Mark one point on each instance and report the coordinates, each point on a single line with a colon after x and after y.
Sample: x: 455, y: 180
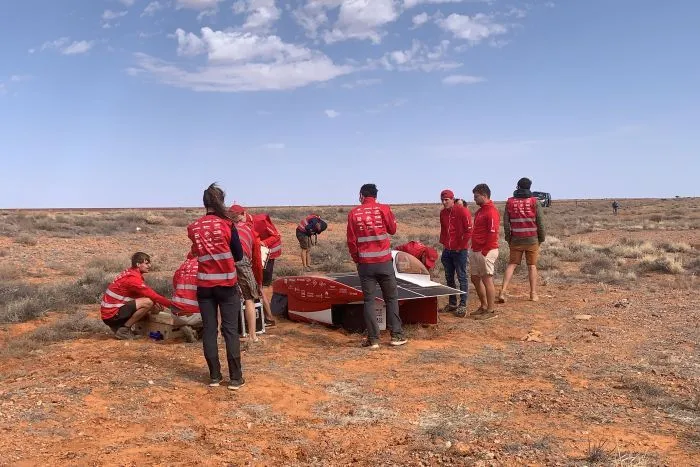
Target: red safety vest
x: 427, y: 255
x: 269, y: 236
x: 127, y: 286
x: 211, y: 239
x: 523, y: 217
x: 245, y: 233
x: 185, y: 287
x: 304, y: 223
x: 370, y: 226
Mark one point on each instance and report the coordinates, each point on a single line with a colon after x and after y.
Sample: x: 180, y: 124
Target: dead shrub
x: 331, y: 256
x: 693, y: 266
x: 26, y: 239
x: 10, y: 272
x: 286, y: 269
x: 547, y: 262
x: 154, y: 219
x: 675, y: 247
x: 631, y: 249
x: 665, y: 264
x: 106, y: 264
x: 597, y: 265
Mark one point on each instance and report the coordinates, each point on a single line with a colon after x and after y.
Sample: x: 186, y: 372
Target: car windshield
x: 409, y: 264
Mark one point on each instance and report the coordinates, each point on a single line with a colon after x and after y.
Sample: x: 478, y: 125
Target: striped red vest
x: 523, y: 217
x: 119, y: 292
x: 305, y: 222
x: 211, y: 239
x: 246, y: 236
x: 269, y: 236
x: 373, y: 241
x: 185, y: 287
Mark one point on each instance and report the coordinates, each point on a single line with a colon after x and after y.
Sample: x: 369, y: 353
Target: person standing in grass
x: 455, y: 232
x: 369, y: 230
x: 128, y: 299
x: 217, y: 247
x: 484, y: 251
x: 307, y: 233
x: 523, y: 227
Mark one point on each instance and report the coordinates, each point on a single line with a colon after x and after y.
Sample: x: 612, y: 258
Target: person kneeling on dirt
x: 185, y: 307
x: 128, y: 299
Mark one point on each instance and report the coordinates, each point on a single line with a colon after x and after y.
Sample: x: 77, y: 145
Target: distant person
x: 128, y: 299
x: 615, y: 206
x: 249, y: 269
x: 460, y: 202
x: 185, y: 307
x: 307, y: 233
x: 523, y: 226
x: 369, y: 230
x: 217, y: 247
x: 455, y: 233
x: 484, y: 252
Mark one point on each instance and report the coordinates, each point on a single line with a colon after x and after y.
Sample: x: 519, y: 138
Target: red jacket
x: 304, y: 223
x: 185, y: 288
x: 269, y: 236
x: 211, y: 239
x: 455, y: 227
x: 427, y: 255
x: 369, y: 228
x: 485, y: 231
x: 251, y: 248
x: 127, y: 286
x: 522, y: 213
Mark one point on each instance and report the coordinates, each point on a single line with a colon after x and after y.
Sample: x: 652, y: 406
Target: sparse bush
x: 286, y: 269
x: 26, y: 239
x: 666, y: 264
x: 547, y: 262
x: 331, y: 256
x: 674, y: 247
x: 107, y: 264
x: 154, y: 219
x: 597, y: 265
x: 693, y: 266
x: 631, y: 249
x: 10, y: 272
x: 162, y: 285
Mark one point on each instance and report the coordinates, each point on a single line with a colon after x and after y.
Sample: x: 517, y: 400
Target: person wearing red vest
x: 128, y: 299
x: 185, y: 307
x: 484, y: 251
x: 271, y: 238
x: 524, y: 231
x: 427, y: 255
x: 455, y: 232
x: 308, y: 227
x: 249, y: 269
x: 217, y: 247
x: 369, y: 230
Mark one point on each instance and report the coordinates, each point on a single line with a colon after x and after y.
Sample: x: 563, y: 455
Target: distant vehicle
x: 545, y: 198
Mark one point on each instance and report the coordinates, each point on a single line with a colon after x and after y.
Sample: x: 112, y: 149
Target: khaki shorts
x: 532, y: 252
x: 246, y: 280
x: 304, y: 240
x: 483, y: 265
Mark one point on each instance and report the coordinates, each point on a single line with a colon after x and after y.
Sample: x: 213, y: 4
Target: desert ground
x: 604, y: 369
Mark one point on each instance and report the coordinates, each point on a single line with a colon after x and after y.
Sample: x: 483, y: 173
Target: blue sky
x: 130, y: 103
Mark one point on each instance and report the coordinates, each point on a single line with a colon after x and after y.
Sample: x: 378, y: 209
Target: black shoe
x: 215, y: 382
x: 236, y: 384
x: 398, y: 340
x: 269, y: 323
x: 370, y: 343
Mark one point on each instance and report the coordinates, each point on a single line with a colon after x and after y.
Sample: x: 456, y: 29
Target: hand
x: 158, y: 307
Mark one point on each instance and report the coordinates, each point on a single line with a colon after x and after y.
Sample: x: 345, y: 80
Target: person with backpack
x: 615, y: 206
x: 307, y: 233
x: 369, y: 230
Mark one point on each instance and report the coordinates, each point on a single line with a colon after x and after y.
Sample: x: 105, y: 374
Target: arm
x: 257, y: 260
x: 492, y: 235
x: 352, y: 239
x: 235, y: 244
x: 540, y: 224
x: 466, y: 220
x: 142, y: 290
x: 506, y: 223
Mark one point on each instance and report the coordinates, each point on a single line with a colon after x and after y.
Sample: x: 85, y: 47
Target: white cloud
x: 330, y: 113
x: 18, y: 78
x: 109, y: 15
x: 472, y: 28
x: 462, y: 79
x: 240, y: 61
x: 274, y: 146
x: 66, y: 47
x: 419, y: 57
x: 412, y: 3
x: 357, y: 19
x: 197, y: 4
x: 152, y: 8
x: 262, y: 14
x: 127, y: 3
x: 362, y: 83
x: 386, y: 106
x: 420, y: 19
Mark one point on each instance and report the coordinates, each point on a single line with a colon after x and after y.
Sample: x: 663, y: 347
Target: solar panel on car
x: 407, y: 290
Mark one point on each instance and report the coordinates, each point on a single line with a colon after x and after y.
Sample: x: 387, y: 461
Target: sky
x: 140, y: 103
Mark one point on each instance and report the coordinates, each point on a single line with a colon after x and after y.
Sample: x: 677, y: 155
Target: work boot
x: 124, y: 333
x: 372, y: 344
x: 398, y: 340
x: 448, y: 308
x: 461, y: 311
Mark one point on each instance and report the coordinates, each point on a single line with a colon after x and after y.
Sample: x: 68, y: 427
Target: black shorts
x: 125, y: 312
x: 267, y: 272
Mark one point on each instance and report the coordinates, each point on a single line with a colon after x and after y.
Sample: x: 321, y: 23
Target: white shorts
x: 483, y: 265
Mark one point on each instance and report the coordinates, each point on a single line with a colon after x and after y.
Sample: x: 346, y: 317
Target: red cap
x: 236, y: 209
x: 447, y: 194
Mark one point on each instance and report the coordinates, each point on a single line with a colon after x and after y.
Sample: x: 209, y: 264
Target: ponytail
x: 214, y: 201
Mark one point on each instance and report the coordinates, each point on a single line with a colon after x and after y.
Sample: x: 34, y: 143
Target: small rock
x: 448, y: 444
x: 583, y: 317
x: 150, y: 381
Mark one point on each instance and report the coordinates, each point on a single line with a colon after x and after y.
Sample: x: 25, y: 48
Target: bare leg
x: 490, y: 291
x: 266, y: 306
x: 144, y: 306
x: 308, y: 257
x: 480, y: 291
x: 506, y: 280
x: 532, y: 275
x: 250, y: 320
